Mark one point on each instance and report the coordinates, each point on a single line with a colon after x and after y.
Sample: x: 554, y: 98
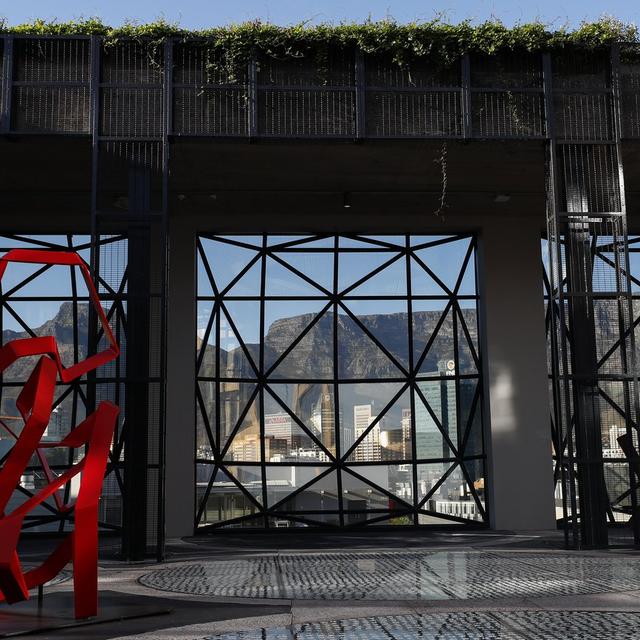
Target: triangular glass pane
x: 250, y: 477
x: 441, y: 397
x: 468, y: 283
x: 316, y: 265
x: 391, y: 281
x: 397, y: 479
x: 312, y: 357
x: 428, y: 476
x: 249, y: 283
x: 234, y: 397
x: 475, y: 471
x: 226, y: 260
x: 205, y: 287
x: 441, y: 352
x: 281, y: 281
x: 204, y: 311
x: 284, y: 322
x: 467, y: 388
x: 321, y: 495
x: 283, y: 480
x: 387, y: 320
x: 428, y: 519
x: 254, y: 241
x: 354, y: 266
x: 318, y: 243
x: 475, y: 445
x: 359, y: 356
x: 390, y: 438
x: 425, y: 316
x: 245, y: 316
x: 359, y: 495
x: 359, y: 242
x: 273, y: 240
x: 285, y: 439
x: 313, y: 404
x: 204, y: 446
x: 453, y: 498
x: 226, y: 500
x: 466, y: 360
x: 398, y: 241
x: 445, y: 260
x: 246, y: 443
x: 418, y: 240
x: 422, y: 284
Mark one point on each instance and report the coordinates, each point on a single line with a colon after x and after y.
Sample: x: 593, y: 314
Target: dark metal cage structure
x: 134, y: 100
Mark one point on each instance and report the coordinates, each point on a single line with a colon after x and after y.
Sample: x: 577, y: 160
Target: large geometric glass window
x: 41, y: 300
x: 613, y: 384
x: 338, y: 381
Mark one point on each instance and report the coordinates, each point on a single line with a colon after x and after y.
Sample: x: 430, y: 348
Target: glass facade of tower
x: 338, y: 381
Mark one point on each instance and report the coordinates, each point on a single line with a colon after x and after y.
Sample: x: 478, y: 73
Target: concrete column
x: 519, y: 444
x: 180, y: 440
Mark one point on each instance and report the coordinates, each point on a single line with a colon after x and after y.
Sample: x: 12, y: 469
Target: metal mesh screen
x: 301, y: 98
x: 630, y: 92
x: 507, y: 97
x: 589, y: 304
x: 51, y: 85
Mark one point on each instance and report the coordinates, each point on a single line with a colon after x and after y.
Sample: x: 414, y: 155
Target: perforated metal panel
x: 506, y: 96
x: 51, y: 85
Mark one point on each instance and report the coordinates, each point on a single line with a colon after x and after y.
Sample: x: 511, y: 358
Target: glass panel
x: 321, y: 495
x: 387, y: 320
x: 354, y: 266
x: 282, y: 281
x: 284, y: 323
x: 234, y: 398
x: 440, y: 397
x: 359, y: 356
x: 226, y: 500
x: 313, y: 405
x: 317, y: 266
x: 453, y: 497
x: 288, y: 418
x: 445, y: 260
x: 226, y: 261
x: 204, y: 445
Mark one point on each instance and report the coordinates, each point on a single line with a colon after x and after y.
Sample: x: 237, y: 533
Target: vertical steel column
x: 559, y: 351
x: 625, y: 303
x: 586, y: 223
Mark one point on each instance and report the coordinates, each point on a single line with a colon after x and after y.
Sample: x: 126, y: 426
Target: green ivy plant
x: 402, y: 43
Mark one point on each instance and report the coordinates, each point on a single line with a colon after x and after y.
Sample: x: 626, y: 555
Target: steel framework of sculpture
x: 34, y: 404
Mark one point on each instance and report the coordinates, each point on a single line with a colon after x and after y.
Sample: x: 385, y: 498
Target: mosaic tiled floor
x: 514, y: 625
x: 401, y: 576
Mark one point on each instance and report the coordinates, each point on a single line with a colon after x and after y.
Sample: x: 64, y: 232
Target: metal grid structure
x: 51, y: 300
x: 129, y: 191
x: 590, y: 307
x: 338, y: 381
x: 130, y: 97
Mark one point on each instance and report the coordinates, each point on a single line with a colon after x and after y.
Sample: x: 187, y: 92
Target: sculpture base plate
x: 56, y: 612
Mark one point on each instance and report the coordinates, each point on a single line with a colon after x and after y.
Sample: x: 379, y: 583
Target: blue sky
x: 199, y: 13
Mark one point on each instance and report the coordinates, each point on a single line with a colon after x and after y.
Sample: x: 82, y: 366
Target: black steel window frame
x: 107, y: 383
x: 409, y: 379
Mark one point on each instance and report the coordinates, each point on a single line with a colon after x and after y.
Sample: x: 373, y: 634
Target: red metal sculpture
x: 34, y: 404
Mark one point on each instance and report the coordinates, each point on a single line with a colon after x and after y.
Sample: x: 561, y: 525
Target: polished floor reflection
x: 420, y: 575
x: 514, y: 625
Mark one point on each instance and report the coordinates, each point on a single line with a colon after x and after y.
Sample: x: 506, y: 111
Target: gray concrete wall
x: 520, y: 469
x: 180, y: 413
x: 520, y: 474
